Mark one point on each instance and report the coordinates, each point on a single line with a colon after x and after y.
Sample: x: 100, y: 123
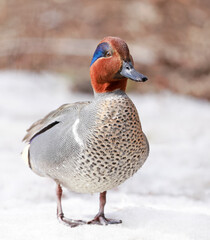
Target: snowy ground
x: 169, y: 198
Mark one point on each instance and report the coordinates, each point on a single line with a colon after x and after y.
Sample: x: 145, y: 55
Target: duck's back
x: 94, y: 147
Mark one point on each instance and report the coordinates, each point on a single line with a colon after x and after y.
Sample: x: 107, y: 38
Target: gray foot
x: 101, y: 220
x: 70, y: 222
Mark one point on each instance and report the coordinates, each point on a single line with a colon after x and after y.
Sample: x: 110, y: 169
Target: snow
x: 169, y: 198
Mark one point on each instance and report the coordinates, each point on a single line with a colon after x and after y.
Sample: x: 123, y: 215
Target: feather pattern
x: 50, y: 118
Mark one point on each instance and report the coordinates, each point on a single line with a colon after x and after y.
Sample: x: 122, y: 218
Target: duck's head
x: 112, y: 65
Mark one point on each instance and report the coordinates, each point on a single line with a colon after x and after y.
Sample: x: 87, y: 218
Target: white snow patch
x: 168, y: 199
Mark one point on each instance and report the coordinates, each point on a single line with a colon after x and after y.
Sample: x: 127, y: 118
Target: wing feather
x: 53, y: 116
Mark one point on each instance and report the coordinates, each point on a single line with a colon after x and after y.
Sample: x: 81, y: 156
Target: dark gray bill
x: 128, y: 71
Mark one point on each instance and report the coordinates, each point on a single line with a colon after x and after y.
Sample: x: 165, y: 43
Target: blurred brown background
x: 169, y: 40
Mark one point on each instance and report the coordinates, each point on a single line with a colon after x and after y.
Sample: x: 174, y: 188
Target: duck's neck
x: 108, y: 86
x: 117, y: 92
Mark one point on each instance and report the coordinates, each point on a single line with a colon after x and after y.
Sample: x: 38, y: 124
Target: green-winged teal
x: 91, y: 147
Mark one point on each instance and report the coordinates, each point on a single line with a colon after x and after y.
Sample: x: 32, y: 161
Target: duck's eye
x: 108, y: 54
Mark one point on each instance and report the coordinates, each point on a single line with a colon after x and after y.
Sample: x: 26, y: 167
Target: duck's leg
x: 100, y: 217
x: 60, y: 215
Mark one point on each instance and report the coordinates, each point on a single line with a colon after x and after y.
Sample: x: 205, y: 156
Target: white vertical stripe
x: 75, y: 132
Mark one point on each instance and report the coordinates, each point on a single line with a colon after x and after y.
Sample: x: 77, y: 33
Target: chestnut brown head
x: 112, y: 65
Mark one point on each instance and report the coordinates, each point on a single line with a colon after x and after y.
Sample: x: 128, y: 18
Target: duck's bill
x: 128, y: 71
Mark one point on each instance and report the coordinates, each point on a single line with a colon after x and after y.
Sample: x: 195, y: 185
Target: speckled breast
x: 114, y: 150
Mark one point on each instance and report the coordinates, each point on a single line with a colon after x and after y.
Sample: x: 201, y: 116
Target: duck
x: 92, y: 146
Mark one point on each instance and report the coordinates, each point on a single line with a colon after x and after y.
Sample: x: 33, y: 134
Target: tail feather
x: 26, y: 155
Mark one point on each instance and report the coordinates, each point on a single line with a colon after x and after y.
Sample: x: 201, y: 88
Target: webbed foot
x: 69, y: 222
x: 100, y: 219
